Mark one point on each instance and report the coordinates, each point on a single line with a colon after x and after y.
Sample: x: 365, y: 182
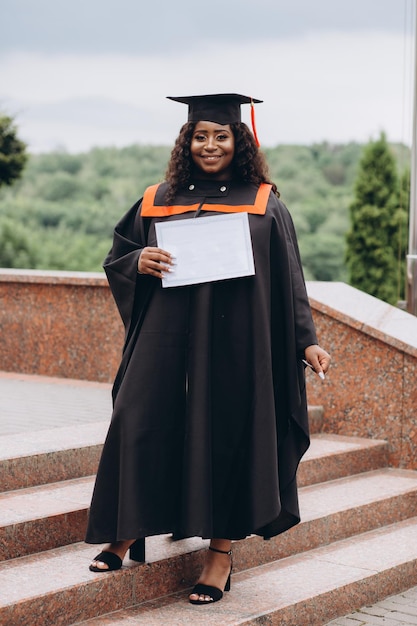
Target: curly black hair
x: 249, y: 164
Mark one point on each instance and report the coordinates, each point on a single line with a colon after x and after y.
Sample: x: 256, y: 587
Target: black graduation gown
x: 210, y: 414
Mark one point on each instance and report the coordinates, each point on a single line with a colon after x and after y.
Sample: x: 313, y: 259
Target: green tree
x: 372, y: 241
x: 16, y: 249
x: 320, y: 253
x: 12, y: 152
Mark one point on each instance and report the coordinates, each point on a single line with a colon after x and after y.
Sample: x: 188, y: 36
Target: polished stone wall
x: 371, y: 389
x: 59, y: 324
x: 66, y: 324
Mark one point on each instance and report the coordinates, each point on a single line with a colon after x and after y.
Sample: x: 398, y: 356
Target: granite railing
x: 66, y: 324
x: 371, y: 389
x: 59, y: 324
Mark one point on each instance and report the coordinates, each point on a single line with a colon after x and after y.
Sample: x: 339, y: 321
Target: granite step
x: 51, y: 455
x: 48, y: 516
x: 306, y: 590
x: 334, y: 456
x: 43, y: 517
x: 54, y: 580
x: 56, y: 588
x: 44, y: 456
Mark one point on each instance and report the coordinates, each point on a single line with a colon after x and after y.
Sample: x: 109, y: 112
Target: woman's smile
x: 210, y: 159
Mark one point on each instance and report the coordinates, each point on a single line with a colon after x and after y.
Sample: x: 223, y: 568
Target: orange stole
x: 149, y: 209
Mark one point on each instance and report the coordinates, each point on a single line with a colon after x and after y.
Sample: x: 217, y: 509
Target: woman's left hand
x: 318, y: 358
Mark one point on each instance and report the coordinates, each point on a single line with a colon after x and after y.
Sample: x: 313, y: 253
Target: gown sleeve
x: 305, y: 332
x: 128, y: 287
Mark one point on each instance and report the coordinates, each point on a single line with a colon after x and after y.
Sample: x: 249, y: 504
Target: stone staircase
x: 356, y: 543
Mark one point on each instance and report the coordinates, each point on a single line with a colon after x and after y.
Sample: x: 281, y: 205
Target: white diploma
x: 206, y: 248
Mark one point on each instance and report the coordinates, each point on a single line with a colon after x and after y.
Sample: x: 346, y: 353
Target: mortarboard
x: 223, y: 108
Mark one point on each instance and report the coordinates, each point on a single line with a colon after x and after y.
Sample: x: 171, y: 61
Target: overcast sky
x: 96, y: 72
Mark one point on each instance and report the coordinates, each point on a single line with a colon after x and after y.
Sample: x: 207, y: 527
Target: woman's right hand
x: 155, y: 262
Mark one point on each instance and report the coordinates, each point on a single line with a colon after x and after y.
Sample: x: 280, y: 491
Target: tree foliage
x: 373, y: 238
x: 16, y: 249
x: 13, y: 155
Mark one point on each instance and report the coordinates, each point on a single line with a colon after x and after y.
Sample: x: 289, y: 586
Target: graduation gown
x: 209, y: 405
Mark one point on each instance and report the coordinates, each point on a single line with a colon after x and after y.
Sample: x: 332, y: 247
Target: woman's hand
x: 155, y: 262
x: 318, y: 359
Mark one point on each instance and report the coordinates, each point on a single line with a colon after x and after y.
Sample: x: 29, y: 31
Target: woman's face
x: 212, y: 150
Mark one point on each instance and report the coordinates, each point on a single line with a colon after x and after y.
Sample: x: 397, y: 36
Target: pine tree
x: 12, y: 152
x: 372, y: 242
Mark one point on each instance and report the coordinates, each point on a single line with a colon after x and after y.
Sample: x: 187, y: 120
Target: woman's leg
x: 216, y: 568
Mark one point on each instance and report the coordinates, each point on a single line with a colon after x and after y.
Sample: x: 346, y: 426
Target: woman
x: 210, y: 413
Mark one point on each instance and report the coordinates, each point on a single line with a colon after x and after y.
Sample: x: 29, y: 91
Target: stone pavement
x: 398, y: 610
x: 36, y: 403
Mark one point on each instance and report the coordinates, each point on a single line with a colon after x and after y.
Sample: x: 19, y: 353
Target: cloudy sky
x: 96, y: 72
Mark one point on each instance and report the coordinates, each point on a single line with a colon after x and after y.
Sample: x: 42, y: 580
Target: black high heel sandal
x: 114, y: 562
x: 215, y: 593
x: 137, y: 551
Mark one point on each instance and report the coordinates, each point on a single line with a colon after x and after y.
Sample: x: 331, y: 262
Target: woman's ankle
x: 120, y: 547
x: 222, y: 545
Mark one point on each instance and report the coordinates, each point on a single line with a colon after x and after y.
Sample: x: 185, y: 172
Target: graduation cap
x: 223, y: 108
